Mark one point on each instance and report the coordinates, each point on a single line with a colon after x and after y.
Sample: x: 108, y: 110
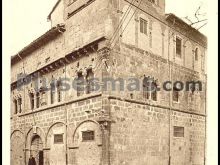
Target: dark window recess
x: 146, y: 88
x: 16, y: 106
x: 146, y: 93
x: 32, y: 100
x: 20, y: 105
x: 41, y: 157
x: 196, y: 54
x: 52, y: 93
x: 80, y: 84
x: 143, y: 26
x: 59, y: 91
x: 88, y: 135
x: 178, y: 47
x: 37, y: 99
x: 58, y: 138
x: 154, y: 92
x: 149, y: 89
x: 175, y: 95
x: 178, y: 131
x: 89, y: 79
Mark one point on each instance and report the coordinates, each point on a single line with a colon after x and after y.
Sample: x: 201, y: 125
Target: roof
x: 201, y: 37
x: 46, y: 37
x: 55, y: 6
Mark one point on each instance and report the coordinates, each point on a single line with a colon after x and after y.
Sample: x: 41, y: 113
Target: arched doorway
x: 17, y: 149
x: 36, y: 149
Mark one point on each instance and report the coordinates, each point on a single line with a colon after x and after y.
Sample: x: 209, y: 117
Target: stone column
x: 105, y: 127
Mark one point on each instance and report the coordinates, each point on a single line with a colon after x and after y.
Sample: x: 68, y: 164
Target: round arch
x: 50, y: 128
x: 17, y: 147
x: 87, y: 139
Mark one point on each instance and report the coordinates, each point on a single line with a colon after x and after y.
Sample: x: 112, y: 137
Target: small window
x: 150, y: 89
x: 196, y: 54
x: 32, y: 100
x: 52, y: 93
x: 175, y: 95
x: 20, y: 105
x: 88, y: 135
x: 89, y: 79
x: 16, y: 106
x: 146, y: 88
x: 38, y: 99
x: 58, y: 138
x: 143, y: 26
x: 178, y: 47
x: 178, y: 131
x: 59, y: 91
x: 80, y: 84
x: 154, y: 92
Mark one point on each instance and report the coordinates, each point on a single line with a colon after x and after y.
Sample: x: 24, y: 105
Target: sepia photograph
x: 110, y: 82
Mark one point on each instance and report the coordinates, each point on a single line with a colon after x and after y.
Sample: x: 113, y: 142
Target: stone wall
x: 68, y: 120
x: 143, y: 134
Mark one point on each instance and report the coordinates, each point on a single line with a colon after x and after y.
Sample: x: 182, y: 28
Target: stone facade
x: 110, y: 126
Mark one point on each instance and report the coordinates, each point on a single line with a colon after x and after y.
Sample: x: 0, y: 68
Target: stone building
x: 116, y: 39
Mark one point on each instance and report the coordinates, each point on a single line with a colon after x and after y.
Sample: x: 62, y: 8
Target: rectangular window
x: 178, y: 131
x: 88, y: 135
x: 58, y: 138
x: 178, y: 47
x: 143, y: 26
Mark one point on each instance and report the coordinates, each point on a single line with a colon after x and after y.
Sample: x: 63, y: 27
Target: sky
x: 26, y: 20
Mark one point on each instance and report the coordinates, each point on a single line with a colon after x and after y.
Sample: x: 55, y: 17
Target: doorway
x: 37, y: 150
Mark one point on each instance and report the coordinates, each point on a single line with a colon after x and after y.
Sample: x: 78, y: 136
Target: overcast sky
x: 25, y: 20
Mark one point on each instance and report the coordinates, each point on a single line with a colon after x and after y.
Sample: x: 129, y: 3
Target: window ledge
x: 46, y: 107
